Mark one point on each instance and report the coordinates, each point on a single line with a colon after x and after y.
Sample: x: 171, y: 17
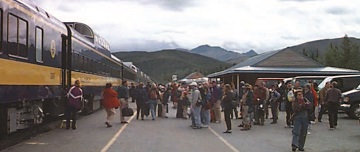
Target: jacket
x: 75, y: 96
x: 227, y: 99
x: 110, y: 99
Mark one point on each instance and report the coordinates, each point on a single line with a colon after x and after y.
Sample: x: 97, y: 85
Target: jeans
x: 71, y: 113
x: 274, y: 110
x: 227, y: 113
x: 152, y: 104
x: 195, y: 116
x: 206, y: 116
x: 333, y: 114
x: 323, y: 109
x: 301, y: 122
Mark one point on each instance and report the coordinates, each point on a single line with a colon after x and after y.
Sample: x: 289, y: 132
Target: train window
x: 84, y: 30
x: 81, y: 63
x: 39, y: 44
x: 17, y: 36
x: 77, y: 62
x: 86, y: 64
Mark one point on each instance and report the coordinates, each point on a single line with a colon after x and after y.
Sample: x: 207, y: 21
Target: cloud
x: 173, y: 5
x: 143, y: 45
x: 338, y: 11
x: 235, y: 25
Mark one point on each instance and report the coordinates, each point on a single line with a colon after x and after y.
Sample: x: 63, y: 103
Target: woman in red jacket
x: 110, y: 102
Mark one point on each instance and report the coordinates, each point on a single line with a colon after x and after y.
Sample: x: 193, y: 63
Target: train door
x: 65, y: 62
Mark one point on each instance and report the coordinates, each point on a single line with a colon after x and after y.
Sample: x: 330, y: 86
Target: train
x: 41, y: 57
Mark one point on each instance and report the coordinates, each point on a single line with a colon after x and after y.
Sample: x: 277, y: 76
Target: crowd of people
x: 203, y: 103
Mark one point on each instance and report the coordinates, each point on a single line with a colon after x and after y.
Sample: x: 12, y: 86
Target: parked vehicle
x: 351, y: 103
x: 345, y: 82
x: 306, y: 79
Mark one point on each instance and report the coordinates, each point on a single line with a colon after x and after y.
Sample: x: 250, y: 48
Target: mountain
x: 161, y: 65
x: 250, y: 53
x: 219, y: 53
x: 321, y: 46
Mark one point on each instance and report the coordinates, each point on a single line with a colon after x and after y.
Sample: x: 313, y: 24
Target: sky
x: 235, y: 25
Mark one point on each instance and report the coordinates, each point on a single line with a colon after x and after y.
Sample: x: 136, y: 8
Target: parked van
x: 351, y: 103
x: 306, y: 79
x: 345, y: 82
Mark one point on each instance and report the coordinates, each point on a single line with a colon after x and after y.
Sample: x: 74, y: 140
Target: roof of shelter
x: 288, y: 58
x: 283, y: 61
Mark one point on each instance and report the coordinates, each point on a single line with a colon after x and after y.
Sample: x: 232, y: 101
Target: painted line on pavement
x: 223, y: 140
x: 110, y: 142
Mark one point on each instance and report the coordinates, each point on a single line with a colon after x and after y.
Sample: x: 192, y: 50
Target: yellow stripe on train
x: 21, y: 73
x: 93, y: 80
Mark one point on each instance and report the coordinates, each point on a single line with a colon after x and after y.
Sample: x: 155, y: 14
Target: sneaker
x: 227, y: 131
x: 331, y: 129
x: 241, y: 125
x: 204, y: 126
x: 309, y: 133
x: 273, y: 122
x: 108, y: 124
x: 196, y: 127
x: 123, y: 122
x: 291, y: 126
x: 287, y: 126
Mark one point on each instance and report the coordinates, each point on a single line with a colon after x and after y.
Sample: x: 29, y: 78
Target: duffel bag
x: 127, y: 112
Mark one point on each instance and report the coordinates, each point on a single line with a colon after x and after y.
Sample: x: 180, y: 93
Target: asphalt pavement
x: 174, y: 135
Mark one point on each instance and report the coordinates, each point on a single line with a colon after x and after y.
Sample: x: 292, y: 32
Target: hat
x: 248, y: 86
x: 193, y: 84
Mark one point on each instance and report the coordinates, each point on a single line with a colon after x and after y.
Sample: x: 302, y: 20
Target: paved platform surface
x: 175, y: 135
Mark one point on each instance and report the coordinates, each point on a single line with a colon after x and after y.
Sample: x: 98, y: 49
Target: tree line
x: 346, y: 55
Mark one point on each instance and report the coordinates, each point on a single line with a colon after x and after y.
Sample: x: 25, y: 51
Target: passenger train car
x: 41, y: 57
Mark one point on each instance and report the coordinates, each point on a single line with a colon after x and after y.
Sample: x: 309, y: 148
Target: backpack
x: 153, y: 94
x: 290, y: 96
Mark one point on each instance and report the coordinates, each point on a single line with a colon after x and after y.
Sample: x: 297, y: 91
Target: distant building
x: 194, y: 77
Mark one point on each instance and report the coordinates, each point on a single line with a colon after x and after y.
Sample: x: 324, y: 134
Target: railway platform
x: 172, y: 134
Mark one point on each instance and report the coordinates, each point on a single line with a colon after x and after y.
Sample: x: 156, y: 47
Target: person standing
x: 300, y: 108
x: 274, y: 103
x: 235, y: 101
x: 216, y: 101
x: 205, y: 111
x: 332, y: 100
x: 310, y: 97
x: 195, y: 106
x: 166, y: 100
x: 132, y: 92
x: 288, y: 97
x: 75, y: 97
x: 323, y: 106
x: 110, y: 102
x: 261, y: 94
x: 153, y: 97
x: 123, y: 95
x: 228, y: 106
x: 247, y: 107
x: 141, y: 98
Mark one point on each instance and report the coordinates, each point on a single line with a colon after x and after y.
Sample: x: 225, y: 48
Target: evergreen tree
x: 347, y: 56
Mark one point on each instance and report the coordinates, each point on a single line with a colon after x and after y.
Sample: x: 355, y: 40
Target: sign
x: 174, y: 77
